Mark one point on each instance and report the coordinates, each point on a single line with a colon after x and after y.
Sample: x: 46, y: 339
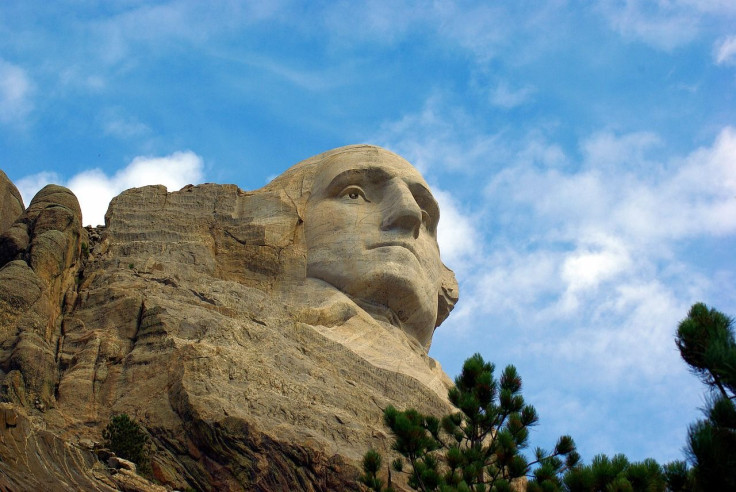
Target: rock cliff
x: 191, y: 311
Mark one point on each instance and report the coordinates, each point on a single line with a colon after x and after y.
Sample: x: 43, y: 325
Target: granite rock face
x: 11, y: 203
x: 201, y: 314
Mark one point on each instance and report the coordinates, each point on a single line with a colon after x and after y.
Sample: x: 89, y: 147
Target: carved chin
x: 411, y: 300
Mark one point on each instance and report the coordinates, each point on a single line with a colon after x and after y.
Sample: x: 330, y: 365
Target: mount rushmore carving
x: 256, y: 335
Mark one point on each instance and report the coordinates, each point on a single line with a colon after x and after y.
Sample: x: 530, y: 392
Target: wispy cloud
x: 664, y: 25
x: 94, y: 51
x: 606, y: 237
x: 725, y: 51
x: 506, y: 97
x: 440, y: 136
x: 623, y: 189
x: 294, y: 72
x: 117, y: 123
x: 158, y: 26
x: 381, y: 21
x: 74, y: 76
x: 95, y: 189
x: 15, y: 94
x: 482, y: 29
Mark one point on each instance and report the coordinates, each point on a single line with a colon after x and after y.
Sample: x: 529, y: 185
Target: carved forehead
x: 373, y: 162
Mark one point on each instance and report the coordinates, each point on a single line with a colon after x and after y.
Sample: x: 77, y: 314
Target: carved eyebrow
x: 376, y: 175
x: 356, y: 176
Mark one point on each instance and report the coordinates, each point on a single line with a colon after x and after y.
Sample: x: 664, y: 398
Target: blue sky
x: 583, y: 154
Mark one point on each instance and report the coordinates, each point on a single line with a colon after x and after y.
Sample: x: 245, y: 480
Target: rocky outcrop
x: 11, y: 203
x: 40, y: 258
x: 191, y: 312
x: 34, y: 458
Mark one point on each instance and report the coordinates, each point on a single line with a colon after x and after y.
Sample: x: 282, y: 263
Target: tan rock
x: 39, y: 260
x: 11, y: 203
x: 34, y: 458
x: 237, y: 327
x: 120, y: 463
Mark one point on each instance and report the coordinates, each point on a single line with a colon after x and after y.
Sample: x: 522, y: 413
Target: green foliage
x: 616, y: 474
x: 127, y: 439
x: 371, y: 465
x: 677, y: 476
x: 706, y: 342
x: 479, y: 448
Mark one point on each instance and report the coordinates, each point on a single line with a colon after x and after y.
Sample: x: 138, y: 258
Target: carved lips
x: 400, y: 244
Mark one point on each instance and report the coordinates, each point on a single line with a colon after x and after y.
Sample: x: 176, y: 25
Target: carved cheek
x: 360, y: 219
x: 341, y: 228
x: 433, y: 264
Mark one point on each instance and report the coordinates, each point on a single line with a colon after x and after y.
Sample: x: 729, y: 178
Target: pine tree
x: 127, y: 439
x: 479, y: 448
x: 706, y: 342
x: 618, y: 473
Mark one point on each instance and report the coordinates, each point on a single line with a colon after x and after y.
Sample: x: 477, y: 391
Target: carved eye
x: 353, y: 193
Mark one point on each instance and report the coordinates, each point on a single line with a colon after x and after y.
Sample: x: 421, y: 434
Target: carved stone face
x: 371, y: 231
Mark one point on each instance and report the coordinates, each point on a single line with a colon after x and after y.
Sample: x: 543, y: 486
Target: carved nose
x: 401, y: 210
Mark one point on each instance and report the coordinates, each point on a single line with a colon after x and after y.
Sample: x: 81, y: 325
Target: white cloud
x: 94, y: 189
x: 458, y: 238
x: 590, y: 265
x: 15, y: 92
x: 608, y: 151
x: 511, y: 282
x: 725, y: 51
x: 175, y: 171
x: 694, y: 196
x: 621, y: 189
x: 647, y: 312
x: 585, y: 263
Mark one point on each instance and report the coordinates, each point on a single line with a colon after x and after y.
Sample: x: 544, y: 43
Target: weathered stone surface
x: 37, y: 459
x: 203, y: 314
x: 39, y: 260
x: 11, y: 203
x: 121, y: 464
